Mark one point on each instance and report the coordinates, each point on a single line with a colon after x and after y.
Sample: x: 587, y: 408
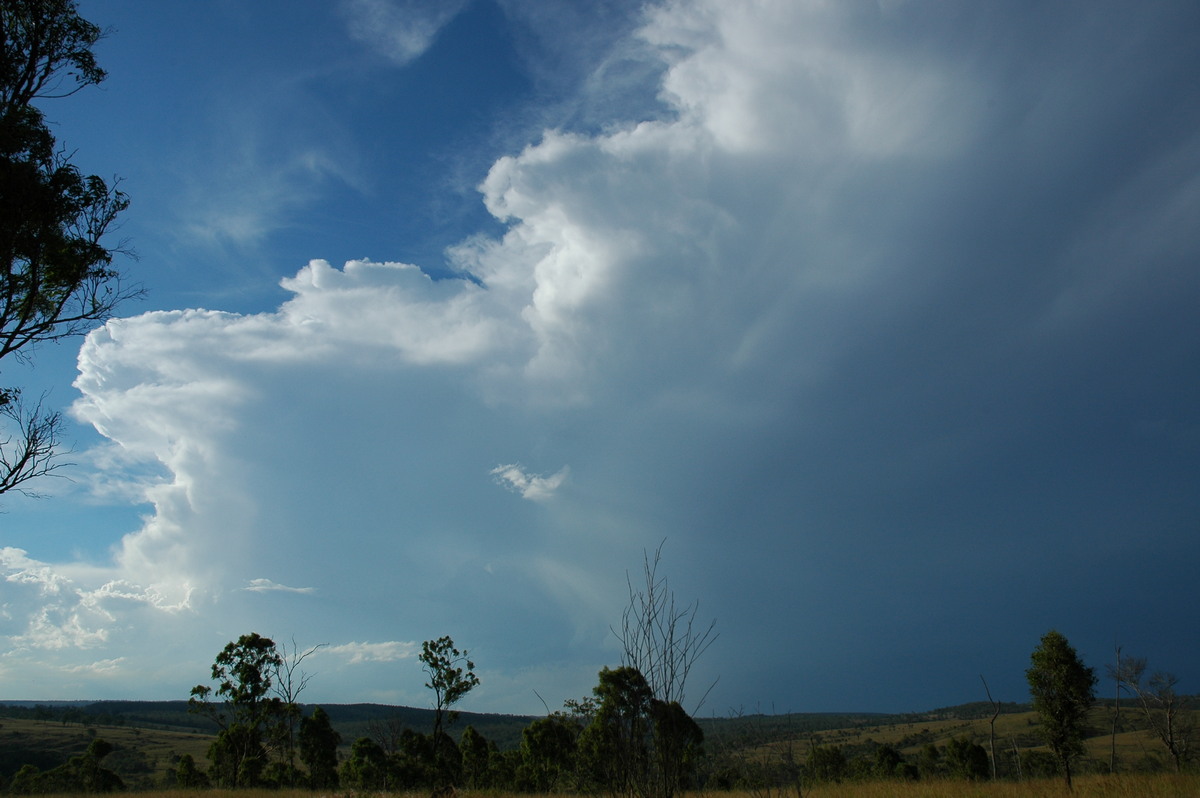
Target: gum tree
x: 56, y: 274
x: 245, y: 710
x: 1063, y: 691
x: 451, y: 676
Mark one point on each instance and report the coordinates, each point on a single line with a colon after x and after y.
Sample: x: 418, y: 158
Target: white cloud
x: 359, y: 653
x: 400, y: 30
x: 261, y: 585
x: 531, y: 486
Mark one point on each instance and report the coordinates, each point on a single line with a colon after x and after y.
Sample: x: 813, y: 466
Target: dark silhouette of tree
x: 1063, y: 691
x: 451, y: 676
x: 966, y: 759
x: 318, y: 750
x: 614, y: 748
x: 476, y: 751
x: 289, y: 680
x: 660, y: 638
x: 56, y: 274
x: 188, y: 776
x: 548, y: 754
x: 367, y: 767
x: 80, y: 774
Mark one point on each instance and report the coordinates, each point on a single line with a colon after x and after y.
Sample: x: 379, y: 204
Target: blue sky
x: 882, y: 315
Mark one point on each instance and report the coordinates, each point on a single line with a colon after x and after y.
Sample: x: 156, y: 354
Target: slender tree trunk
x: 991, y: 725
x: 1112, y: 755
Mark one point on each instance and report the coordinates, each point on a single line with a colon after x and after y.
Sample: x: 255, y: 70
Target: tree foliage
x: 451, y: 676
x: 318, y: 750
x: 80, y: 774
x: 56, y: 272
x: 1063, y: 691
x: 243, y: 673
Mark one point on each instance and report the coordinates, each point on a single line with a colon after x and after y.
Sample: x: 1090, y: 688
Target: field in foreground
x: 1156, y: 785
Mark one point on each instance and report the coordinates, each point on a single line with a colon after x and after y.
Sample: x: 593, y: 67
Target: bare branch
x: 29, y: 448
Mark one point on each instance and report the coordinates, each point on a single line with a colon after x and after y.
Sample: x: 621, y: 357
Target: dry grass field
x: 1136, y: 749
x: 155, y: 751
x: 1120, y: 786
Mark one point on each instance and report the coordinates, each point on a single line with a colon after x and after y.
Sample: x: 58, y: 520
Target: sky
x: 879, y: 318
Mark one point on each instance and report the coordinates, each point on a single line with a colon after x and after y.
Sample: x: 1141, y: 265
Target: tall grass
x: 1154, y: 785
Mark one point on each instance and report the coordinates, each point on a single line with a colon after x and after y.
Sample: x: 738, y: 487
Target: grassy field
x: 1121, y: 786
x: 147, y: 754
x: 1136, y: 748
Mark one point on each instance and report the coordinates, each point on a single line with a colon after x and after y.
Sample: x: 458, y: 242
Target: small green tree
x: 188, y: 776
x: 476, y: 753
x: 678, y: 746
x: 826, y: 763
x: 614, y: 748
x: 242, y: 672
x: 1063, y: 691
x: 318, y: 750
x: 547, y: 754
x: 367, y: 767
x: 451, y: 676
x: 966, y: 759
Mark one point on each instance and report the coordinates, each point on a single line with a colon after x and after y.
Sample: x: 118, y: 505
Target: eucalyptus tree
x: 451, y: 676
x: 1063, y: 691
x: 245, y: 710
x: 56, y: 272
x: 319, y: 742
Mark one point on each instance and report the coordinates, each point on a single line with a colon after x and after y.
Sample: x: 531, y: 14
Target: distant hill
x: 351, y: 720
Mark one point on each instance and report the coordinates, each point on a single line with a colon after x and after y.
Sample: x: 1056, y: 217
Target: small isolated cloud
x: 358, y: 653
x: 534, y: 487
x: 400, y: 30
x: 99, y: 667
x: 267, y: 586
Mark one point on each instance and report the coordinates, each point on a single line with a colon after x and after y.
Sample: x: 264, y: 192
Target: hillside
x: 149, y: 737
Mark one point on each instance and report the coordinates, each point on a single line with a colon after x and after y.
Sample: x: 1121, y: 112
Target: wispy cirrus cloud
x: 399, y: 30
x: 261, y: 585
x: 358, y: 653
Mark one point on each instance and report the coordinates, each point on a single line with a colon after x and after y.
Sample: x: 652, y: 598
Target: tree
x: 1063, y: 691
x: 991, y: 725
x: 826, y: 763
x: 366, y: 769
x: 659, y: 638
x: 56, y: 273
x: 318, y: 750
x: 1164, y: 709
x: 678, y: 742
x: 547, y: 754
x: 451, y: 676
x: 80, y: 774
x: 242, y: 672
x: 966, y: 759
x: 614, y: 748
x: 662, y: 641
x: 476, y: 753
x: 289, y: 680
x: 188, y: 776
